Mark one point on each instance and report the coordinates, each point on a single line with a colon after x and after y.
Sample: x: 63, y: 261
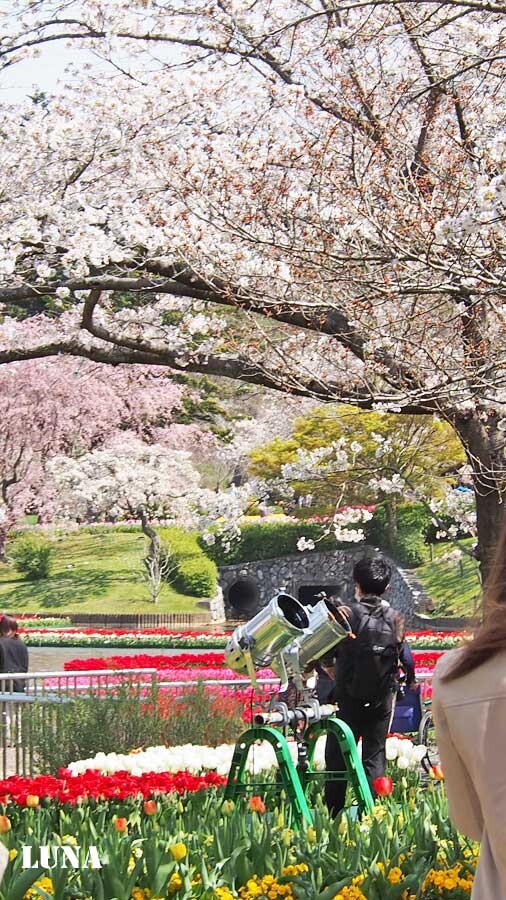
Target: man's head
x: 371, y: 576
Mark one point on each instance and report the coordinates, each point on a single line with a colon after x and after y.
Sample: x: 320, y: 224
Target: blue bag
x: 408, y: 713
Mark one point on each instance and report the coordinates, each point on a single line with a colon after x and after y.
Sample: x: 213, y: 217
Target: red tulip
x: 256, y: 804
x: 383, y: 786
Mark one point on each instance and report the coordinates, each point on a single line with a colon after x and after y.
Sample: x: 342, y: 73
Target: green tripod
x: 296, y: 779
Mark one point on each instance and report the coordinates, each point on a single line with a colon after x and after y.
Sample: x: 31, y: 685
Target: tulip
x: 5, y: 824
x: 178, y: 851
x: 437, y: 772
x: 311, y: 835
x: 121, y: 824
x: 287, y: 837
x: 32, y: 801
x: 256, y: 804
x: 383, y: 786
x: 228, y: 807
x: 150, y: 807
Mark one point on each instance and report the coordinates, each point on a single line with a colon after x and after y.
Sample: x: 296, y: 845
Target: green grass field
x: 454, y: 586
x: 92, y: 573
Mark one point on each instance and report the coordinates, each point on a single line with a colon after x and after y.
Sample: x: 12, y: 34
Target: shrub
x: 196, y: 576
x: 60, y: 733
x: 412, y: 518
x: 181, y: 544
x: 78, y: 728
x: 410, y: 549
x: 32, y: 555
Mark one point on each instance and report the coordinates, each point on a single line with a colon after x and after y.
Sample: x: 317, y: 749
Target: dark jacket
x: 13, y: 658
x: 345, y: 650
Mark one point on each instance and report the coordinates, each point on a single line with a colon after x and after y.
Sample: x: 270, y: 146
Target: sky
x: 42, y: 72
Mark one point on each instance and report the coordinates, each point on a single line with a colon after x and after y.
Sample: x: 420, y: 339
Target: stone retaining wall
x: 248, y: 587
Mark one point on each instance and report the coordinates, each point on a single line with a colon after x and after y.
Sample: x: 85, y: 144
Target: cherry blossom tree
x: 68, y: 406
x: 148, y: 482
x: 309, y: 197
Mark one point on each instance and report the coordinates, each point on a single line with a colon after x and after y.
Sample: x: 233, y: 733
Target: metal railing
x: 33, y: 704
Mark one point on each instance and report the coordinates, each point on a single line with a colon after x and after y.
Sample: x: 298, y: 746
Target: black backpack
x: 373, y: 657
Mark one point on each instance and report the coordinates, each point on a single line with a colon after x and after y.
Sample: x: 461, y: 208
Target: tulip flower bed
x: 43, y: 622
x: 187, y: 664
x: 208, y: 666
x: 401, y: 754
x: 70, y: 788
x: 435, y: 640
x: 36, y: 634
x: 164, y: 638
x: 182, y: 662
x: 193, y: 844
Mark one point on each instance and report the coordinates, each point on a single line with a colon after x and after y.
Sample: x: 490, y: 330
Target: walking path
x: 52, y: 659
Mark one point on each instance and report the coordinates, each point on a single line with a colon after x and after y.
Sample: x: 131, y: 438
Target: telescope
x: 286, y: 636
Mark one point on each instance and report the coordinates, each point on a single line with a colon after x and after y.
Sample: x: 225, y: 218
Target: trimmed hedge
x: 412, y: 518
x: 410, y: 549
x: 268, y: 540
x: 196, y: 574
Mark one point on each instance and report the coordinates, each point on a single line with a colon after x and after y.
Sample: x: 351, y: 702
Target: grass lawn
x: 92, y: 573
x: 454, y: 586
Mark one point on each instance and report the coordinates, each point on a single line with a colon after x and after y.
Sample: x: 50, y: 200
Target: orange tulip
x: 150, y: 807
x: 256, y: 804
x: 121, y: 825
x: 5, y: 824
x: 437, y: 772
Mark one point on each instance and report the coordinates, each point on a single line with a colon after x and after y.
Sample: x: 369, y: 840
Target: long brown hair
x: 490, y: 637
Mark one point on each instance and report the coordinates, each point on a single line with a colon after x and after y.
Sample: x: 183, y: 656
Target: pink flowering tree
x: 67, y: 406
x: 308, y: 198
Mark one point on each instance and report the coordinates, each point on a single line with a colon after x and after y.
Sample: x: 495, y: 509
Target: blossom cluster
x: 403, y: 752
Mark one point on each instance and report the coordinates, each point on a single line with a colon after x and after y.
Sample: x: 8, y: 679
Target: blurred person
x: 469, y: 710
x: 13, y: 654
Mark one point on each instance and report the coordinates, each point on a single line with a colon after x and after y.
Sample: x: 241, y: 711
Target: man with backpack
x: 366, y: 665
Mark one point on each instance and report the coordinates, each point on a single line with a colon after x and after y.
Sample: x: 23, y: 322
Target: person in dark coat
x: 13, y: 654
x: 376, y: 641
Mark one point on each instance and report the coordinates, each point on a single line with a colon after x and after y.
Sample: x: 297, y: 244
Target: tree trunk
x: 153, y: 561
x: 149, y: 531
x: 484, y: 446
x: 391, y: 511
x: 3, y: 544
